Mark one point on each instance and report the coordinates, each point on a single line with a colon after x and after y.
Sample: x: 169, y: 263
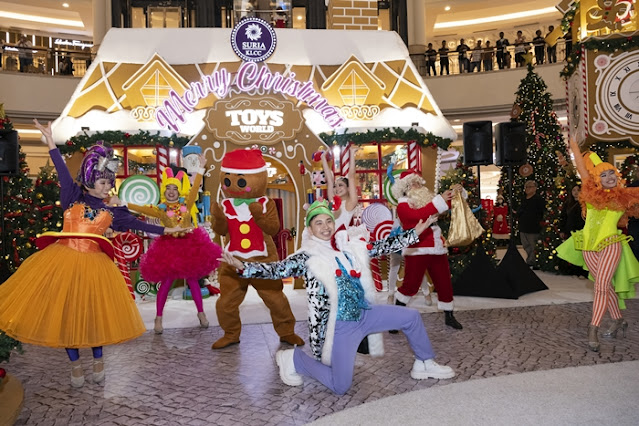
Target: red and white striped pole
x: 413, y: 156
x: 163, y: 159
x: 344, y: 160
x: 585, y: 87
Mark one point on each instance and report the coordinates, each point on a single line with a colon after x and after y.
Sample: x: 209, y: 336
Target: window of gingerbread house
x: 371, y: 163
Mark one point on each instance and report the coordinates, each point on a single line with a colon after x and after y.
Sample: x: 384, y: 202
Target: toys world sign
x: 250, y: 118
x: 249, y: 77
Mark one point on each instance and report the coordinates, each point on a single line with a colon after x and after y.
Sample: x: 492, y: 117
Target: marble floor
x: 175, y: 378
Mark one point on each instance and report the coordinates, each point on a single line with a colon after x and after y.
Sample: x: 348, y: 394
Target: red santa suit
x: 429, y: 254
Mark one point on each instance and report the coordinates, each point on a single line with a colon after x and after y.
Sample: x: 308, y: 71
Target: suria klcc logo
x: 253, y: 39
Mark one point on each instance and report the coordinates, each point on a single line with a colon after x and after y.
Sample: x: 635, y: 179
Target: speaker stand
x: 481, y: 279
x: 513, y: 267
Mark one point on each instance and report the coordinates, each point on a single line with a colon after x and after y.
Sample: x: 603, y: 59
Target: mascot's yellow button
x: 244, y: 228
x: 245, y: 243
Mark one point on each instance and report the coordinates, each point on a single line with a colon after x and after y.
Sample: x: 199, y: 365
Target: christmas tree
x: 16, y: 194
x: 544, y: 140
x: 47, y: 213
x: 459, y: 257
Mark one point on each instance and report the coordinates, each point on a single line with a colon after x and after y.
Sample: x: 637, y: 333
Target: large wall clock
x: 615, y: 113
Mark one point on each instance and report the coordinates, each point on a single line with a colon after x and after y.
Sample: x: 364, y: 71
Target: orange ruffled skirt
x: 63, y: 298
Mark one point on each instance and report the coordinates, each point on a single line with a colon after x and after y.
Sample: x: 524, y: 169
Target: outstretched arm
x: 579, y: 161
x: 69, y: 191
x: 330, y: 179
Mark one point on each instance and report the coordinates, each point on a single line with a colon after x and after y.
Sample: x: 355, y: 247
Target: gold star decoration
x: 47, y: 169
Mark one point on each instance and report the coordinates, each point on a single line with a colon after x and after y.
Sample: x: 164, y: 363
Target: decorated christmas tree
x: 16, y: 193
x: 545, y: 144
x: 459, y: 257
x: 47, y: 213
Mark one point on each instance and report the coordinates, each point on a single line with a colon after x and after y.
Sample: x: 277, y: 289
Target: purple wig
x: 98, y: 163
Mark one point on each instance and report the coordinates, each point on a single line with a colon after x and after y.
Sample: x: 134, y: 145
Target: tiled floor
x: 175, y: 378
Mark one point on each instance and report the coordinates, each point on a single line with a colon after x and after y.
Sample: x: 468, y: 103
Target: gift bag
x: 464, y: 226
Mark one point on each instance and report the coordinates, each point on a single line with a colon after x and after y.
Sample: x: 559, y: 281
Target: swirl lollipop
x: 140, y: 190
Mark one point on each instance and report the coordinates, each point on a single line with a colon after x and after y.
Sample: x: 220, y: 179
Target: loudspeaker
x: 9, y: 152
x: 510, y: 144
x: 478, y: 143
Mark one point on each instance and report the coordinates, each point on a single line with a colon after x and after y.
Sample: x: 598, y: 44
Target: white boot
x: 289, y: 376
x: 429, y: 369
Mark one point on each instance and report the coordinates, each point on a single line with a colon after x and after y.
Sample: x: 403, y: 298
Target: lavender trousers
x: 338, y: 377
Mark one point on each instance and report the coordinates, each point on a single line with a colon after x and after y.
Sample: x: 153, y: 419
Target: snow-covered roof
x: 107, y: 99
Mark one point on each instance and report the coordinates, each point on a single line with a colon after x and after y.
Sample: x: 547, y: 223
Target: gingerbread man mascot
x: 248, y: 219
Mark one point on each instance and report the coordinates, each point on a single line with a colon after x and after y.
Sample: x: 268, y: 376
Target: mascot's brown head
x: 243, y: 174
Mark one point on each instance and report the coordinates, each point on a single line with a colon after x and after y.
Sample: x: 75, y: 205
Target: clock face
x: 618, y: 94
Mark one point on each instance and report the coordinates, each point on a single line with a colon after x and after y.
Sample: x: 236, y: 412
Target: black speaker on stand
x: 510, y: 151
x: 9, y: 166
x: 510, y: 144
x: 478, y: 143
x: 478, y: 150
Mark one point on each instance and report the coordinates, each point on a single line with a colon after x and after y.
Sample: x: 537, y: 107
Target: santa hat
x: 405, y: 181
x: 243, y: 161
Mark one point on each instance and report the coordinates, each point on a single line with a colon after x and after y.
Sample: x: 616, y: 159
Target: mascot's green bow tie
x: 240, y: 201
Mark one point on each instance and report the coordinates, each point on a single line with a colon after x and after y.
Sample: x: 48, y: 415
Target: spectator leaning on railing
x: 25, y: 53
x: 487, y: 56
x: 443, y: 59
x: 431, y: 58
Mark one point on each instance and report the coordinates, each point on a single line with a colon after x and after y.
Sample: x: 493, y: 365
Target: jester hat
x: 596, y: 167
x: 181, y: 180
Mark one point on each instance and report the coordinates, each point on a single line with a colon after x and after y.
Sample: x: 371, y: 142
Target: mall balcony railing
x: 453, y: 58
x: 47, y: 61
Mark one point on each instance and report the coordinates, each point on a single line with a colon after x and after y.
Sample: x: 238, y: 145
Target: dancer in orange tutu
x: 70, y: 294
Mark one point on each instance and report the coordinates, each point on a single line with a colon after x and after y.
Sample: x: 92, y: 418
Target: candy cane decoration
x: 585, y: 87
x: 163, y: 158
x: 344, y: 161
x: 127, y: 248
x: 413, y: 156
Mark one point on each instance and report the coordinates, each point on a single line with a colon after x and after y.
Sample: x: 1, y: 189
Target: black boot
x: 451, y: 321
x: 398, y: 303
x: 363, y: 347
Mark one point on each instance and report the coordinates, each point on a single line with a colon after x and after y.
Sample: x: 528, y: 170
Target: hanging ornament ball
x: 569, y: 59
x: 83, y: 149
x: 39, y: 195
x: 69, y: 143
x: 57, y: 203
x: 171, y: 144
x: 525, y: 170
x: 28, y: 245
x: 3, y: 373
x: 515, y: 112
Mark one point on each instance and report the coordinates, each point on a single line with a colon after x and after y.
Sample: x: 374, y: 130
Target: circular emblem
x: 253, y: 39
x: 525, y: 170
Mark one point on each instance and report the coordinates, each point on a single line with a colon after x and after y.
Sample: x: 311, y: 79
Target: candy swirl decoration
x: 383, y: 230
x: 374, y: 214
x: 386, y: 188
x: 141, y: 190
x: 130, y: 246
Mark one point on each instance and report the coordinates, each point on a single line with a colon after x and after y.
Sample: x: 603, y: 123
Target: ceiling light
x: 506, y: 17
x: 41, y: 19
x: 65, y: 4
x: 447, y: 8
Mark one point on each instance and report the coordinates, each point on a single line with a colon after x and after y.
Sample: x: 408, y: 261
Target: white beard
x: 419, y: 197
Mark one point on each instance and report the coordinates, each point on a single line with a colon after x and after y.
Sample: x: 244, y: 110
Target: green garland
x: 608, y: 45
x: 143, y: 138
x: 386, y: 135
x: 569, y: 17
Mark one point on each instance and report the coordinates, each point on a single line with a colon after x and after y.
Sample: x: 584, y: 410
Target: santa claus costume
x: 415, y: 202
